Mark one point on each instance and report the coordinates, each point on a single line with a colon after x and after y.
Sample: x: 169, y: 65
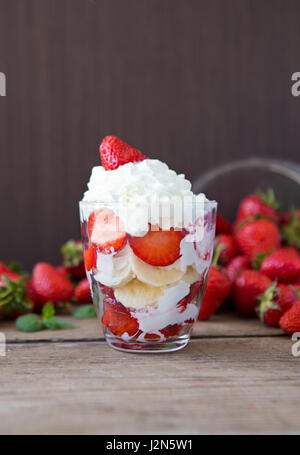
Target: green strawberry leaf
x: 72, y: 253
x: 257, y: 261
x: 55, y: 323
x: 48, y: 311
x: 30, y: 323
x: 16, y: 267
x: 269, y: 199
x: 85, y: 312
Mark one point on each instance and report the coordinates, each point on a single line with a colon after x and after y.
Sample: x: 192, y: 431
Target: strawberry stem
x: 217, y: 251
x: 268, y: 198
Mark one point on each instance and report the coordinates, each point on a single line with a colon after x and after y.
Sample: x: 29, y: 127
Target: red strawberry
x: 114, y: 153
x: 118, y: 319
x: 290, y: 228
x: 72, y: 252
x: 171, y: 330
x: 194, y: 289
x: 290, y: 321
x: 283, y: 265
x: 90, y: 257
x: 229, y: 247
x: 4, y: 269
x: 257, y: 237
x: 106, y: 291
x: 33, y: 295
x: 217, y: 289
x: 63, y: 270
x: 106, y: 231
x: 296, y: 288
x: 159, y: 248
x: 15, y: 295
x: 236, y: 266
x: 276, y: 300
x: 222, y: 225
x: 51, y: 285
x: 246, y: 288
x: 82, y: 291
x: 263, y: 204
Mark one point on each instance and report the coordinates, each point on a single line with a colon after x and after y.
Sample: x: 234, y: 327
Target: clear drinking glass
x: 142, y: 306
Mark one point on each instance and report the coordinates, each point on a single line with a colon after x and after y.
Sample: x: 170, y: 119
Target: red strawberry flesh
x: 158, y: 248
x: 114, y: 153
x: 106, y: 231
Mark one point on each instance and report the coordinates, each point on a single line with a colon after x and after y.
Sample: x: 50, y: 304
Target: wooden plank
x: 223, y: 324
x: 212, y: 386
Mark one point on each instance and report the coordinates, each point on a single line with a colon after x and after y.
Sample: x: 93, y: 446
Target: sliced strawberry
x: 114, y: 153
x: 118, y: 319
x: 171, y: 330
x: 105, y: 290
x: 159, y: 248
x: 183, y: 303
x: 90, y: 257
x: 106, y: 231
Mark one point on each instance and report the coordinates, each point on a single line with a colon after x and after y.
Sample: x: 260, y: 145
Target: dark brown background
x: 193, y: 82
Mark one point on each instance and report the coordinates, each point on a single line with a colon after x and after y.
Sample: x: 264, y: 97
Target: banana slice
x: 191, y: 275
x: 154, y: 276
x: 138, y: 295
x: 117, y: 278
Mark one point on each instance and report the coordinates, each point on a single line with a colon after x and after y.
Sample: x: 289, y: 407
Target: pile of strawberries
x: 257, y: 264
x: 20, y: 294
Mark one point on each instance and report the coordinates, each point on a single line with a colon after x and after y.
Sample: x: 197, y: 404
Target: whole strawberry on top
x: 114, y: 153
x: 282, y: 265
x: 276, y: 300
x: 50, y: 284
x: 72, y: 252
x: 263, y: 204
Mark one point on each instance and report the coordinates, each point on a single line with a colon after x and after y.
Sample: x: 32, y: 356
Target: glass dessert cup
x: 147, y: 288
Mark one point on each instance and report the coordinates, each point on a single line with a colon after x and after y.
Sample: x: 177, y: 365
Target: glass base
x: 152, y: 346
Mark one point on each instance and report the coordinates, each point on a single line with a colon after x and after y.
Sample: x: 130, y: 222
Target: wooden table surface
x: 235, y: 376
